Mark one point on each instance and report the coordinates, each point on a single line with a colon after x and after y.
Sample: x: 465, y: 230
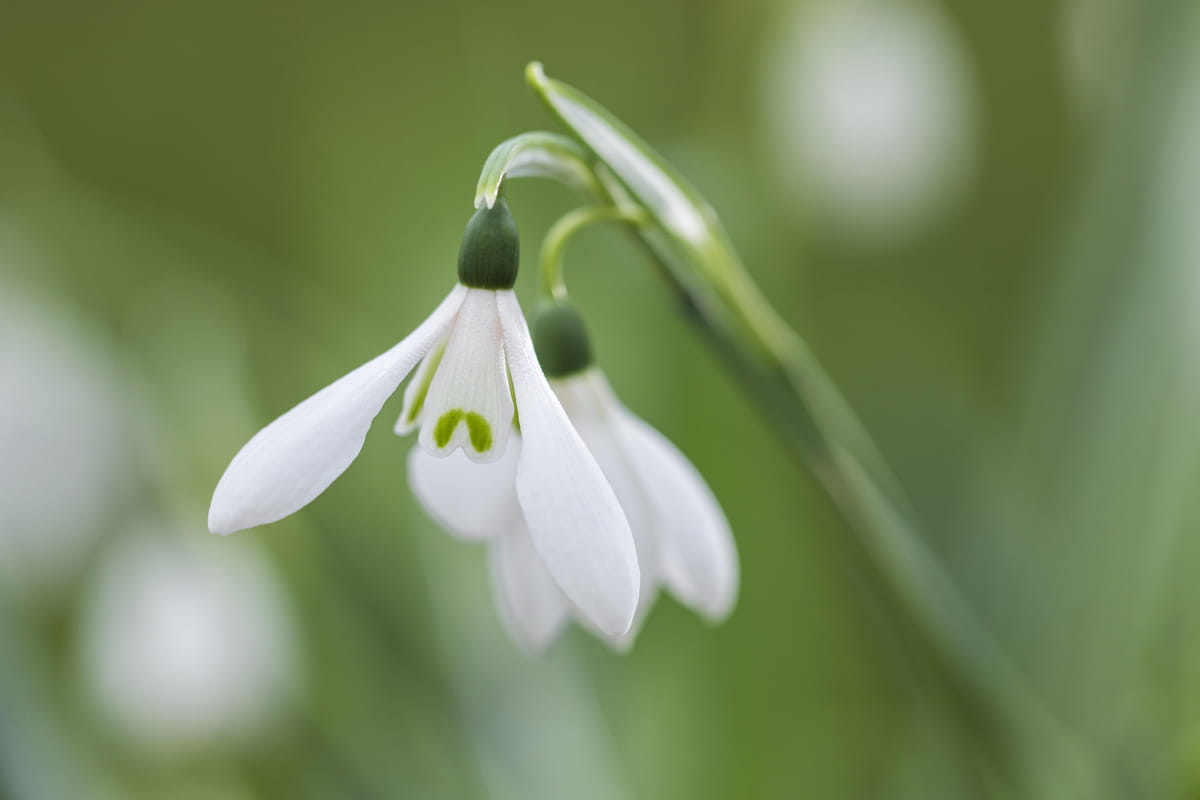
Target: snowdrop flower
x: 468, y: 348
x: 682, y: 537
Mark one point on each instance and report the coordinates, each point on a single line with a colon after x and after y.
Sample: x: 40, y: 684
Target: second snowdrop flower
x: 683, y: 540
x: 468, y: 348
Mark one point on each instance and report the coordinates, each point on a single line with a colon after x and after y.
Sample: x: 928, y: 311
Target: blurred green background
x: 982, y: 216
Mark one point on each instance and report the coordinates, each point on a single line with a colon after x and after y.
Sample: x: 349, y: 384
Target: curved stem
x: 555, y: 244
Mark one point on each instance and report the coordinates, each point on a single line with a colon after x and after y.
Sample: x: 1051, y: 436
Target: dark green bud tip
x: 490, y: 252
x: 560, y: 340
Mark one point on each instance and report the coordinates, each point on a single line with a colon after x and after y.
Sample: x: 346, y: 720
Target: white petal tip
x: 717, y: 614
x: 714, y: 605
x: 228, y: 512
x: 610, y: 607
x: 615, y: 622
x: 620, y: 642
x: 220, y: 528
x: 621, y: 645
x: 223, y: 524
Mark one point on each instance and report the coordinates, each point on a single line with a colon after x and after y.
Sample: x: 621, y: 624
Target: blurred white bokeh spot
x: 869, y: 112
x: 65, y: 458
x: 187, y: 643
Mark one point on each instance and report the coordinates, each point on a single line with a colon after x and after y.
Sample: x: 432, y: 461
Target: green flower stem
x: 555, y: 244
x: 1023, y: 749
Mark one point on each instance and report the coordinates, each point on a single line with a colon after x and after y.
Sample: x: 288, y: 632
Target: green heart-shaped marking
x: 478, y: 429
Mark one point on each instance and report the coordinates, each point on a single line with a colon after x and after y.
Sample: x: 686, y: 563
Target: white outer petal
x: 574, y: 518
x: 594, y: 413
x: 296, y: 457
x: 469, y: 500
x: 697, y: 557
x: 531, y: 605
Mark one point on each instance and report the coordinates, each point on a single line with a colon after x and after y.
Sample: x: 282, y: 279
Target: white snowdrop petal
x: 593, y: 412
x: 696, y: 554
x: 574, y: 519
x: 296, y: 457
x: 469, y: 500
x: 414, y: 394
x: 532, y: 607
x: 469, y: 405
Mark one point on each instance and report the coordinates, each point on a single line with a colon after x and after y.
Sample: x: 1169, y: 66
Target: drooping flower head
x: 682, y: 538
x: 470, y: 348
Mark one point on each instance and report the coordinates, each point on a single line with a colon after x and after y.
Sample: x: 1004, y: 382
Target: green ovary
x: 478, y: 429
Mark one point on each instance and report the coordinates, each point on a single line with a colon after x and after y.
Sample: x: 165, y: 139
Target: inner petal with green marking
x: 468, y: 402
